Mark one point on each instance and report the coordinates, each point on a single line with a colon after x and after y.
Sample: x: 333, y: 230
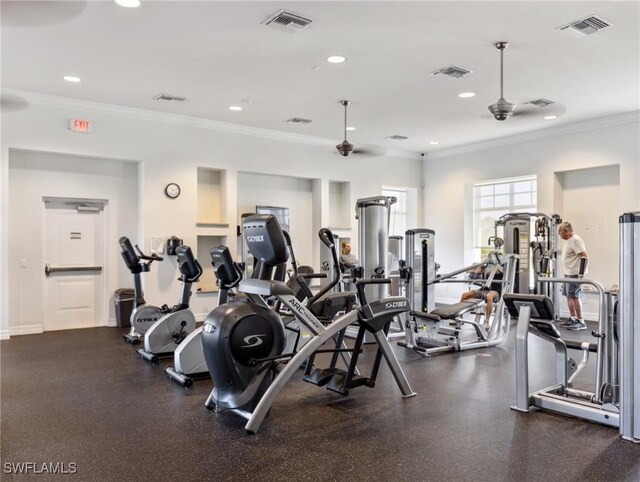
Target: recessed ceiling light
x: 72, y: 78
x: 336, y: 59
x: 550, y: 117
x: 351, y: 128
x: 466, y: 95
x: 434, y: 143
x: 128, y: 3
x: 235, y: 107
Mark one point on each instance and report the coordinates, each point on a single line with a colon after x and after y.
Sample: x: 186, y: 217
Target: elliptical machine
x: 244, y: 342
x: 164, y: 336
x: 188, y: 359
x: 143, y: 315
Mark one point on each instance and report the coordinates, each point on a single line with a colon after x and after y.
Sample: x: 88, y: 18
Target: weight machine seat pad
x: 451, y: 312
x: 424, y: 315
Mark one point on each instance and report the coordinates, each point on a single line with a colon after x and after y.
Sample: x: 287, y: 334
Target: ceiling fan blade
x: 527, y: 111
x: 40, y: 13
x: 373, y: 151
x: 13, y: 103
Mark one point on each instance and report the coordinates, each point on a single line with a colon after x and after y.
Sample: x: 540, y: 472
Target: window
x: 398, y: 222
x: 495, y: 198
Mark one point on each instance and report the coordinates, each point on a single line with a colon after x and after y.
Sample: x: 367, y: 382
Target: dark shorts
x: 482, y: 295
x: 571, y: 290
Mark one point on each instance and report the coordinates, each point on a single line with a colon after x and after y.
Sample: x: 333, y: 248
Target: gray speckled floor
x: 83, y: 396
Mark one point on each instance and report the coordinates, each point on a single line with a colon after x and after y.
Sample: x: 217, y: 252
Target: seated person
x: 490, y: 295
x: 347, y: 260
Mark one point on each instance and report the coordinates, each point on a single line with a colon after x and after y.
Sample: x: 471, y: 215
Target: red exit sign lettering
x: 80, y: 125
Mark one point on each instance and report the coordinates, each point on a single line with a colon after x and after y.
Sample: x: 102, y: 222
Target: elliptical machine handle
x: 326, y: 236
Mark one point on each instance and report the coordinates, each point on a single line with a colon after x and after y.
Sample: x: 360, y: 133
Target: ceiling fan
x: 345, y: 148
x: 503, y: 109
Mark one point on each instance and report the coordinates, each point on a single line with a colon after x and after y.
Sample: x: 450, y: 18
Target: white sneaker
x: 578, y: 325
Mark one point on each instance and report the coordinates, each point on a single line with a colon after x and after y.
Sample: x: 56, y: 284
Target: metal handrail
x: 601, y: 322
x: 48, y: 269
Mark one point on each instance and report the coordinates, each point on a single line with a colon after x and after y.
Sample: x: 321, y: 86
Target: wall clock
x: 172, y: 190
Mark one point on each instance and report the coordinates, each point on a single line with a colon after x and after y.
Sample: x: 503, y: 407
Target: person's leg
x: 572, y: 306
x: 573, y: 293
x: 492, y: 296
x: 577, y: 308
x: 567, y: 290
x: 468, y: 295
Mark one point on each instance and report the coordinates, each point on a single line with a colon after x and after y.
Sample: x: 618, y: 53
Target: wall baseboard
x: 26, y: 330
x: 4, y: 334
x: 112, y: 322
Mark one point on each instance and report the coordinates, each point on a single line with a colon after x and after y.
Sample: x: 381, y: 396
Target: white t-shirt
x: 570, y: 255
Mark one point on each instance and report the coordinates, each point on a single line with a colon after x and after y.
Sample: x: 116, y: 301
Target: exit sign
x: 80, y: 125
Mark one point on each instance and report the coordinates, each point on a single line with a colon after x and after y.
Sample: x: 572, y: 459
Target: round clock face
x: 172, y: 190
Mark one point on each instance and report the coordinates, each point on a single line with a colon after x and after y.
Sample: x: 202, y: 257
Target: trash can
x: 124, y: 299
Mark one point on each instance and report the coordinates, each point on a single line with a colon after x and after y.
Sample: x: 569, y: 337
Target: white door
x: 74, y: 271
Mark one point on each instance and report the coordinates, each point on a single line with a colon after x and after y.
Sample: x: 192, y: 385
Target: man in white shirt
x: 572, y: 254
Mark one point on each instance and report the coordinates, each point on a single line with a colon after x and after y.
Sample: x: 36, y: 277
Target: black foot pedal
x: 321, y: 376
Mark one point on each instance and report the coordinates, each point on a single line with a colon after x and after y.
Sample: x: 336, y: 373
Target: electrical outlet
x: 23, y: 262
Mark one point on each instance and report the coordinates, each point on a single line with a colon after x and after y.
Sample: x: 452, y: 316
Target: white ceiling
x: 218, y: 54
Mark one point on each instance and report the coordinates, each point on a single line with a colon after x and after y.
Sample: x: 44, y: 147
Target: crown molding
x: 547, y: 132
x: 182, y: 120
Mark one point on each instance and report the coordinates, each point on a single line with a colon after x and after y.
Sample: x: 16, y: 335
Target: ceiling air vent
x: 453, y: 71
x: 299, y: 120
x: 176, y: 98
x: 541, y: 102
x: 396, y: 137
x: 289, y: 21
x: 586, y: 26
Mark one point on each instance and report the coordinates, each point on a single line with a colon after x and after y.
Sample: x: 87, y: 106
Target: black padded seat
x: 451, y: 312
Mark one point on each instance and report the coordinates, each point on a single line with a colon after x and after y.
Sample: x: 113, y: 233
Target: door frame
x: 103, y: 204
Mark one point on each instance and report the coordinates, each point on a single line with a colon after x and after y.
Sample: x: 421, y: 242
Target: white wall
x: 611, y: 142
x: 170, y: 148
x: 287, y: 192
x: 586, y: 204
x: 33, y: 175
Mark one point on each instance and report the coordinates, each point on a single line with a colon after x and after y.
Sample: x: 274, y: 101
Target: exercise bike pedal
x: 132, y: 340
